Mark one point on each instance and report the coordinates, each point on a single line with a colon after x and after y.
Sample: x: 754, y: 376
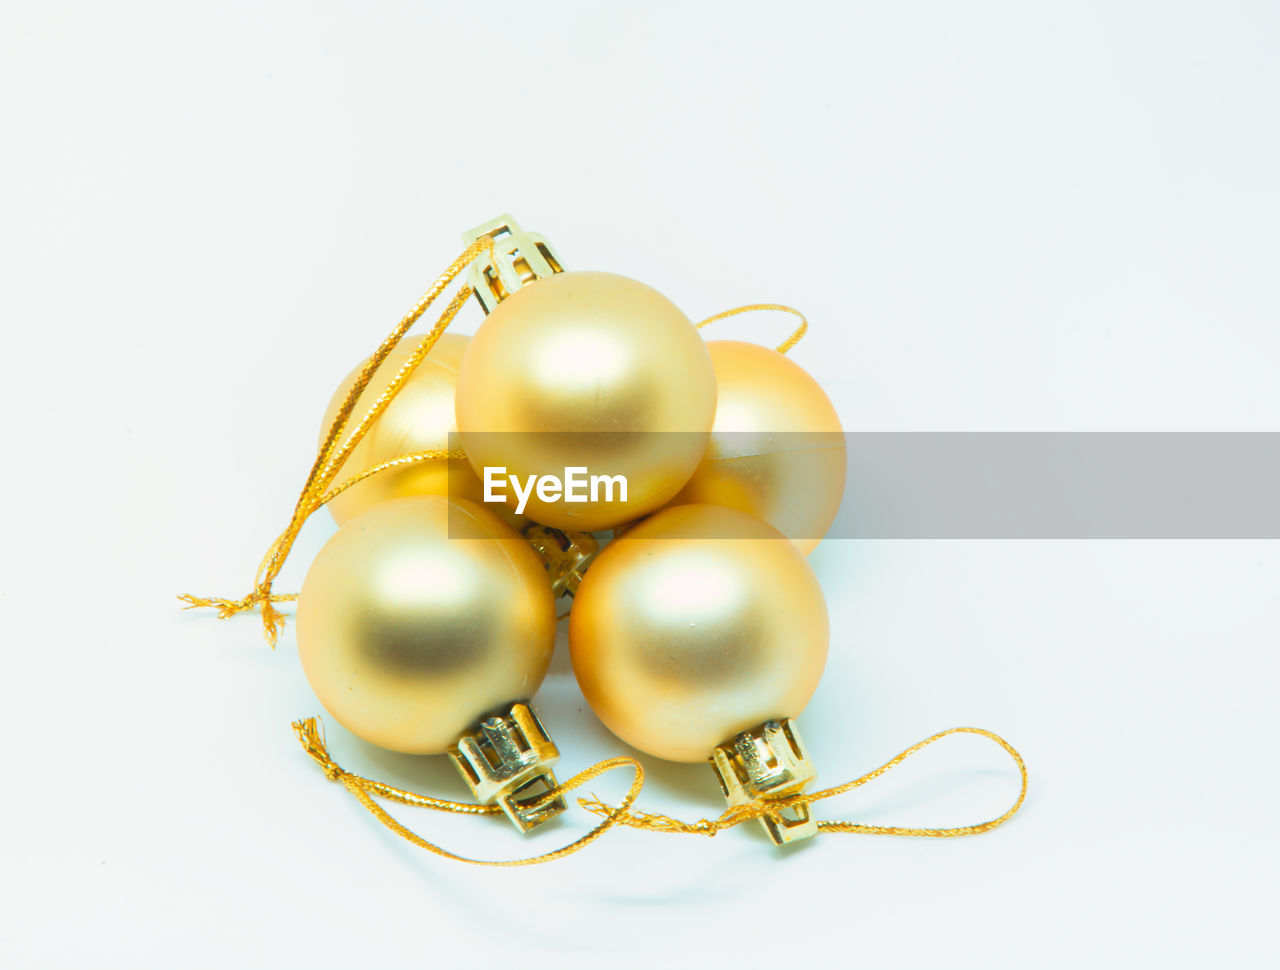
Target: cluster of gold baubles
x: 429, y: 611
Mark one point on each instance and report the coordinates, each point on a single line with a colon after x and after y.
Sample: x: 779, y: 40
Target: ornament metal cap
x: 519, y: 257
x: 765, y: 763
x: 508, y: 760
x: 565, y: 553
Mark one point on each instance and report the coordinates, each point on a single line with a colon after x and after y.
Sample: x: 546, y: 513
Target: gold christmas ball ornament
x: 419, y: 418
x: 698, y: 635
x: 697, y: 624
x: 593, y: 371
x: 420, y: 616
x: 777, y: 449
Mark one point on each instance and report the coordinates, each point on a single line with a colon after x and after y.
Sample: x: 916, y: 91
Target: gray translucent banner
x: 983, y: 485
x: 1065, y: 485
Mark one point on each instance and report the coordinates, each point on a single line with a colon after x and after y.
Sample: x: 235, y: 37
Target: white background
x: 998, y: 216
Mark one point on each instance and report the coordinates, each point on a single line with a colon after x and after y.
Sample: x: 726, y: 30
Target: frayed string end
x: 310, y: 733
x: 273, y: 620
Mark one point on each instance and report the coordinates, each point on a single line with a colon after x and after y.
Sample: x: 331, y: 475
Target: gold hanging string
x: 414, y: 458
x: 783, y: 347
x: 742, y: 813
x: 228, y: 607
x: 311, y: 735
x: 331, y: 455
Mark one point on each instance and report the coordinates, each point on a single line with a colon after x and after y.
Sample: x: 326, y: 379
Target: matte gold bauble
x: 777, y: 449
x: 696, y: 624
x: 588, y: 370
x: 421, y: 615
x: 419, y: 418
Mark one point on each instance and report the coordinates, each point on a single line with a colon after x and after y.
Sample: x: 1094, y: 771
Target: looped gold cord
x: 783, y: 347
x: 311, y: 735
x: 742, y: 813
x: 329, y: 459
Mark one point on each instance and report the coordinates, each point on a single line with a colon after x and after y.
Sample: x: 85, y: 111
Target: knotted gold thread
x: 331, y: 455
x: 773, y: 807
x: 783, y: 347
x: 311, y: 735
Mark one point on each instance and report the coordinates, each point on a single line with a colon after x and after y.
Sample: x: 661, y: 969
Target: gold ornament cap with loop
x: 565, y: 553
x: 518, y: 257
x: 765, y: 764
x: 507, y: 761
